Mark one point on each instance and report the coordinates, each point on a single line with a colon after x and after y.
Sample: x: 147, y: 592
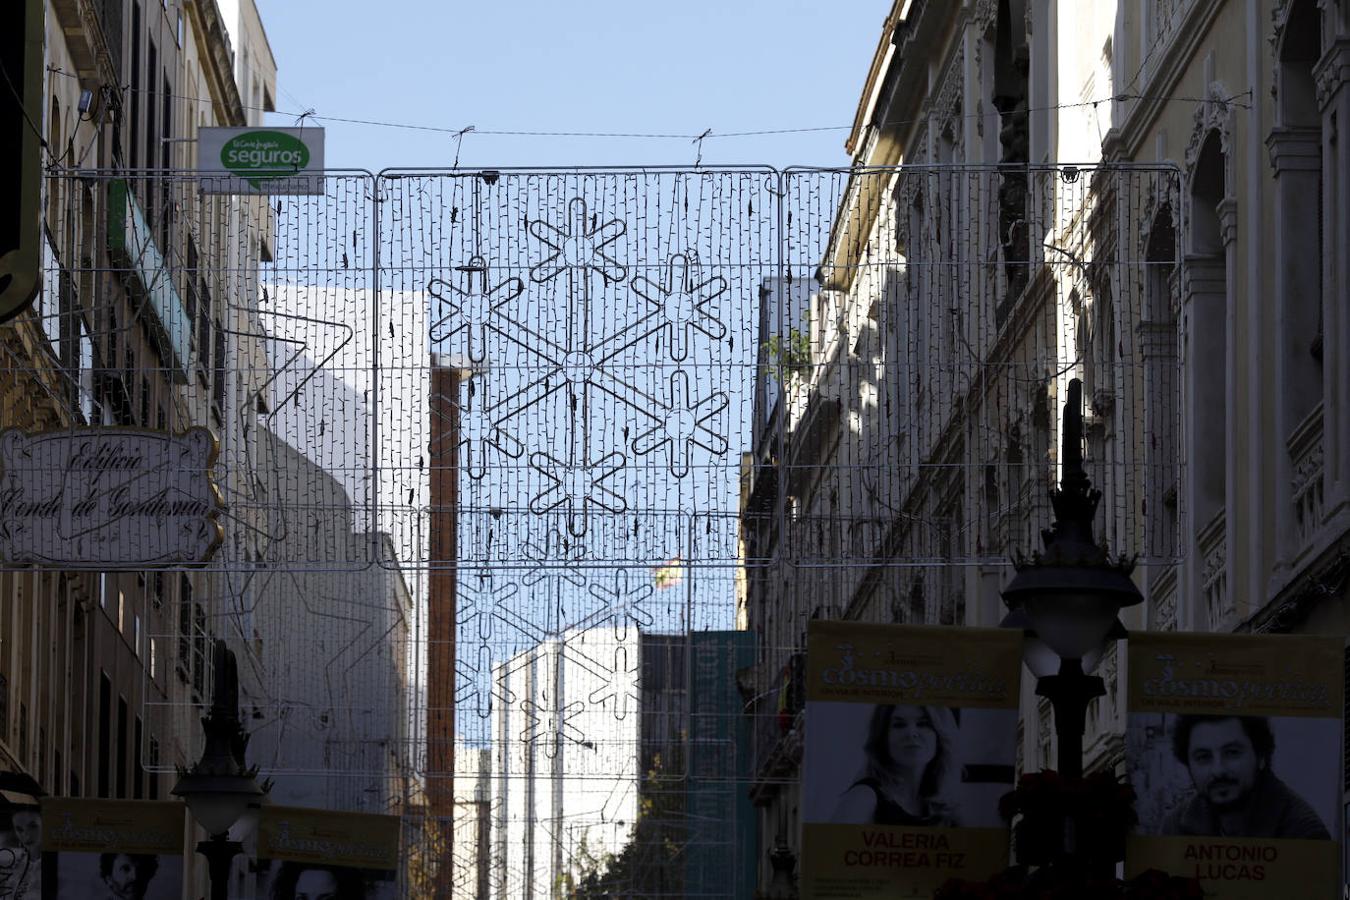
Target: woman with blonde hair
x: 910, y: 772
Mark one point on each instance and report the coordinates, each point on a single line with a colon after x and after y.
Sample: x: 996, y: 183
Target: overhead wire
x: 697, y: 137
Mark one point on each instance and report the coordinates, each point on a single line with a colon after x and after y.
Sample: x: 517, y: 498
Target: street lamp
x: 1070, y: 595
x: 219, y: 788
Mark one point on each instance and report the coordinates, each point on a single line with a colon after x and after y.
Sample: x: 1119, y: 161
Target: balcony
x: 1305, y: 453
x: 132, y: 244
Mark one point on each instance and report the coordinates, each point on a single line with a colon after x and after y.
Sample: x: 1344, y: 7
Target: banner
x: 322, y: 853
x: 121, y: 497
x: 112, y: 848
x: 1234, y: 750
x: 260, y: 160
x: 911, y: 739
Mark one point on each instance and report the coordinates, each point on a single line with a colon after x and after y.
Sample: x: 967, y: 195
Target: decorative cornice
x: 217, y: 61
x: 1214, y: 113
x: 947, y: 104
x: 985, y: 17
x: 1332, y: 72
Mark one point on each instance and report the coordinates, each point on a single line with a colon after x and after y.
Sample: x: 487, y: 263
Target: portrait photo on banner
x: 1241, y: 776
x: 117, y: 876
x: 893, y: 764
x: 293, y: 880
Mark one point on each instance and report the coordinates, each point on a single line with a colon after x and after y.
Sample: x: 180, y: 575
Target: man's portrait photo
x: 1219, y: 775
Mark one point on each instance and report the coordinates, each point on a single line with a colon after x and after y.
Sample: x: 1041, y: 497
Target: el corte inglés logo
x: 259, y: 155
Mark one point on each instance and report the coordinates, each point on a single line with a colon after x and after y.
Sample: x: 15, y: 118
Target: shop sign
x: 260, y: 160
x: 108, y: 498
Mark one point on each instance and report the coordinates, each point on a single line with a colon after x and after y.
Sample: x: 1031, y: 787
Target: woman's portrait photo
x: 896, y: 764
x: 907, y: 778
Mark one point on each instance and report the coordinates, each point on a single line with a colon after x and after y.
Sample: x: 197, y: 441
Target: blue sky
x: 588, y: 65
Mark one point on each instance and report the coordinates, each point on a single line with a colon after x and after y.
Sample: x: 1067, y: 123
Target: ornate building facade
x: 1150, y: 197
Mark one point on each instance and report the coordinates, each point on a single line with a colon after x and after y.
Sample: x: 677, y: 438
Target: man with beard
x: 1236, y: 793
x: 127, y: 875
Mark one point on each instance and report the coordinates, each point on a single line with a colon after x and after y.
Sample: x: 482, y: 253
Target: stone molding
x: 1295, y: 148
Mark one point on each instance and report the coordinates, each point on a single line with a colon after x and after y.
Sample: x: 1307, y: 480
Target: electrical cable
x: 707, y: 134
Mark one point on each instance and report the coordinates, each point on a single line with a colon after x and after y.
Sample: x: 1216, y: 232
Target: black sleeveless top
x: 888, y: 812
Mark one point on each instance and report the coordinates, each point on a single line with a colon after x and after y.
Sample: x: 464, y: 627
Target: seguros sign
x: 261, y: 160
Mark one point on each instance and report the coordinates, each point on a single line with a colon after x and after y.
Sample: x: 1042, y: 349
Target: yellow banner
x: 355, y: 840
x: 1234, y: 749
x: 911, y: 735
x: 929, y: 664
x: 123, y: 826
x: 1242, y: 869
x: 858, y: 862
x: 1256, y: 675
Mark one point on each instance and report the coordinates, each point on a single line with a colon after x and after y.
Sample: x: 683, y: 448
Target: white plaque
x: 121, y: 498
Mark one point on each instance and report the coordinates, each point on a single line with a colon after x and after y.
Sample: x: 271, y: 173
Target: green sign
x: 260, y: 160
x: 264, y: 154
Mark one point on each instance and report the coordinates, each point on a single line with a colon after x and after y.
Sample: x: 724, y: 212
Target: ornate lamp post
x: 219, y: 788
x: 1070, y: 595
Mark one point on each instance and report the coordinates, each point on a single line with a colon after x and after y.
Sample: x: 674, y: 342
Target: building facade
x: 1146, y: 196
x: 141, y: 322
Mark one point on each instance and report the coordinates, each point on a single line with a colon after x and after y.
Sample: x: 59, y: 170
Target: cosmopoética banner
x: 1234, y: 749
x: 910, y: 742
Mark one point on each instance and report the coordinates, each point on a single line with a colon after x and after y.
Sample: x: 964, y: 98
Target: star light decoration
x: 581, y: 249
x: 577, y: 371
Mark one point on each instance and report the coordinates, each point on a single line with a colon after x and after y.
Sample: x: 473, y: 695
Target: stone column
x: 1204, y: 426
x: 1296, y: 158
x: 1332, y: 76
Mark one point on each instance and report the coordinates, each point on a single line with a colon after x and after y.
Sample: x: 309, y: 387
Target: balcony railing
x: 1305, y: 453
x: 132, y: 242
x: 1213, y: 544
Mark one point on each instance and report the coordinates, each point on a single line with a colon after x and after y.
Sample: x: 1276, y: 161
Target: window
x: 222, y: 374
x: 133, y: 139
x: 123, y: 747
x: 153, y: 753
x: 86, y: 373
x: 185, y: 627
x: 136, y: 633
x: 121, y: 611
x: 104, y: 734
x: 138, y: 770
x: 199, y: 650
x: 154, y: 660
